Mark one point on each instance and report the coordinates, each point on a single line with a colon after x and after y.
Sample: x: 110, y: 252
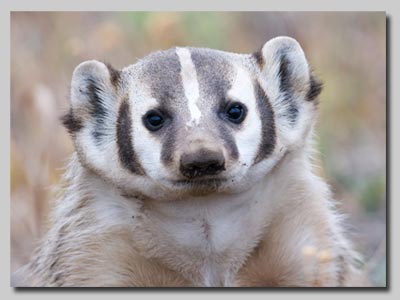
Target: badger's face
x: 191, y: 122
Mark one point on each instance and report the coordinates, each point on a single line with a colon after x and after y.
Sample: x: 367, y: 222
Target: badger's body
x: 193, y: 168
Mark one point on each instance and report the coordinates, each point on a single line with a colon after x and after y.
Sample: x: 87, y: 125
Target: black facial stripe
x: 126, y: 153
x: 268, y: 138
x: 315, y: 88
x: 71, y: 122
x: 162, y: 71
x: 214, y: 74
x: 286, y: 88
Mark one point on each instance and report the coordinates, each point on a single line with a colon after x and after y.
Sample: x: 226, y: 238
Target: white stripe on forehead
x: 190, y: 84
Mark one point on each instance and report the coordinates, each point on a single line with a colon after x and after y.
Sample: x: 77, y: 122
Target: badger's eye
x: 236, y: 113
x: 153, y: 120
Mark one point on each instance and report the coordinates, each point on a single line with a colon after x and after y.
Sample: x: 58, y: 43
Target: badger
x: 193, y: 167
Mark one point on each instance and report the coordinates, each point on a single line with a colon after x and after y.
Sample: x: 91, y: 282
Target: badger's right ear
x: 94, y: 95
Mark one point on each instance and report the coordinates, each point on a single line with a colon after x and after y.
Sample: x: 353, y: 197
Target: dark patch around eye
x: 236, y: 113
x: 154, y: 120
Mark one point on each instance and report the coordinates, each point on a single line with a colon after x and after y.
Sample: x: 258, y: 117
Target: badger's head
x: 191, y: 122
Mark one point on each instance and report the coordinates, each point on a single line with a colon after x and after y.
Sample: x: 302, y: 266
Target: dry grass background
x: 347, y: 50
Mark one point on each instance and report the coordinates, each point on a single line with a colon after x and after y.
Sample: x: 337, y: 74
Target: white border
x: 393, y: 11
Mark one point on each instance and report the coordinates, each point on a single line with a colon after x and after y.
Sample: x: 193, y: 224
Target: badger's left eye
x: 153, y: 120
x: 236, y: 113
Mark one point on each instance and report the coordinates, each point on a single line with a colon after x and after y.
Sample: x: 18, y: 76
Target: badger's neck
x: 214, y: 235
x: 211, y: 235
x: 206, y: 238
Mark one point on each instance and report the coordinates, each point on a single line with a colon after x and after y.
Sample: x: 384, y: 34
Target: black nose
x: 201, y: 163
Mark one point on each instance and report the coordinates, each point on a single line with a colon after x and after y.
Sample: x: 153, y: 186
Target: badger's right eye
x: 234, y: 112
x: 153, y: 120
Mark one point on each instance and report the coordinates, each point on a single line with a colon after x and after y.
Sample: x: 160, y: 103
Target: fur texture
x: 129, y: 216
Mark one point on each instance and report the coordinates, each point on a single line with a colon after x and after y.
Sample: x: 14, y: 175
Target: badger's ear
x: 282, y: 60
x: 291, y: 87
x: 94, y: 94
x: 92, y: 117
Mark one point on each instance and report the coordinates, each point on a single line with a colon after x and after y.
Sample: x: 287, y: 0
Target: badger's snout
x: 202, y: 162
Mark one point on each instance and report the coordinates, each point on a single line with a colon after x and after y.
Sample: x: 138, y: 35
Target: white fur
x: 299, y: 70
x: 248, y: 139
x: 222, y: 228
x: 190, y: 85
x: 142, y: 139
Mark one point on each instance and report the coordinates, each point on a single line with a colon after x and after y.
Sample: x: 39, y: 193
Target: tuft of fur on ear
x: 315, y: 88
x: 71, y: 122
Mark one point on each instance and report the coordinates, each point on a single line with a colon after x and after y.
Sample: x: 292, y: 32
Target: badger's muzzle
x: 201, y: 163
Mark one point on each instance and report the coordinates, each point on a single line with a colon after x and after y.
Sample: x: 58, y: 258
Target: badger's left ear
x: 291, y: 87
x: 282, y: 59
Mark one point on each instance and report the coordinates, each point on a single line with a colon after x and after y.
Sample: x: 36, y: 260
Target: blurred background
x: 346, y: 49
